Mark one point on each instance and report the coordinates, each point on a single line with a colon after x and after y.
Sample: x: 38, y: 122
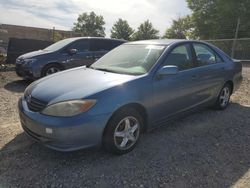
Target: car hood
x: 75, y: 84
x: 33, y: 54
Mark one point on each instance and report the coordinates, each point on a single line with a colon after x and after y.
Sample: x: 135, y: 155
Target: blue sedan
x: 135, y: 87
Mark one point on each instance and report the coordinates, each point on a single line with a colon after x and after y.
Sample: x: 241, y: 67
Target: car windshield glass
x: 58, y: 45
x: 130, y: 59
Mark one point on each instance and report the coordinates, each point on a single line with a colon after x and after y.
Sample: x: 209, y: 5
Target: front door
x: 175, y: 93
x: 83, y: 56
x: 100, y: 47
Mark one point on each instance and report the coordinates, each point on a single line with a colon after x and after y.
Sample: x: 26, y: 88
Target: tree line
x: 93, y: 25
x: 209, y: 19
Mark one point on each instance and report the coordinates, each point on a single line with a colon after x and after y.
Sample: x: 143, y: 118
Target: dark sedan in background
x: 135, y: 87
x: 65, y: 54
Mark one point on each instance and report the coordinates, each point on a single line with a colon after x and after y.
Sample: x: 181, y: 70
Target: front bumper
x: 24, y: 72
x: 68, y: 134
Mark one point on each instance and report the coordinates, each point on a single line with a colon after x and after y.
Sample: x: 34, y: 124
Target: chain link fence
x: 235, y: 48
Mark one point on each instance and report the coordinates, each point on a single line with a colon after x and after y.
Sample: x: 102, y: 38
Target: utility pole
x: 53, y: 34
x: 235, y: 37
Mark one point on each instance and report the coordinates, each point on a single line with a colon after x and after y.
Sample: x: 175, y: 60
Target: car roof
x: 77, y: 38
x: 165, y: 42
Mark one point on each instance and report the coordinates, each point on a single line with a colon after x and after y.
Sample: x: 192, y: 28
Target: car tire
x: 123, y: 131
x: 51, y: 69
x: 224, y: 97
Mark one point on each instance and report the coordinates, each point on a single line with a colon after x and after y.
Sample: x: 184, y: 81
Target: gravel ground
x: 206, y: 149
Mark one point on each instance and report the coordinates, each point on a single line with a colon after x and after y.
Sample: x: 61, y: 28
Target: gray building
x: 23, y: 32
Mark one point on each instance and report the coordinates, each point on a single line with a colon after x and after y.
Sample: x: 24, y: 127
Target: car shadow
x: 17, y: 86
x: 206, y: 149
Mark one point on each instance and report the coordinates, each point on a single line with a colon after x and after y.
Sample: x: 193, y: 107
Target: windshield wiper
x: 101, y: 69
x: 104, y: 69
x: 108, y: 70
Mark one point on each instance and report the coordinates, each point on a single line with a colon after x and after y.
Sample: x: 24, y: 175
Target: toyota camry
x: 134, y: 88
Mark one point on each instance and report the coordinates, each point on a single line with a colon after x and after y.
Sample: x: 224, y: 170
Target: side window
x: 204, y: 55
x: 101, y: 45
x: 116, y: 43
x: 180, y: 57
x: 81, y: 45
x: 219, y: 59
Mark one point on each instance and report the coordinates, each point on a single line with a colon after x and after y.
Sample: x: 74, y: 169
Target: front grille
x: 35, y: 105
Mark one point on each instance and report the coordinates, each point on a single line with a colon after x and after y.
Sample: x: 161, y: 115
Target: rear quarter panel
x: 237, y: 74
x: 233, y: 69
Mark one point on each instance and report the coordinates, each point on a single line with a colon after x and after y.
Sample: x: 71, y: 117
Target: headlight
x: 27, y: 62
x: 68, y: 108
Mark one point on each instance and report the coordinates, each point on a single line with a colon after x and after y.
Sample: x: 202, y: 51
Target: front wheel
x: 123, y: 131
x: 224, y: 97
x: 51, y: 69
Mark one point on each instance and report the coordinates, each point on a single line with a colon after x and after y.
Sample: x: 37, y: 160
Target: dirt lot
x: 206, y: 149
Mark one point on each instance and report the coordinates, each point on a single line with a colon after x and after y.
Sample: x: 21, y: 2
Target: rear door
x: 210, y: 70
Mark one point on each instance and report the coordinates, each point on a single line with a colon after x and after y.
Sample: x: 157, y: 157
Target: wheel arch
x: 138, y: 107
x: 230, y: 82
x: 49, y: 64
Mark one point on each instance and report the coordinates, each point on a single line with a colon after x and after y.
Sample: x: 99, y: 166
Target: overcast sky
x: 61, y: 14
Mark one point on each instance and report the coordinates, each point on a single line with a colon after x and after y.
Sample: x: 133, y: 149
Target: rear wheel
x: 224, y: 97
x: 123, y: 131
x: 51, y: 69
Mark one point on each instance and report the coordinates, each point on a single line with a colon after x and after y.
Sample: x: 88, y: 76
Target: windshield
x: 58, y: 45
x: 130, y: 59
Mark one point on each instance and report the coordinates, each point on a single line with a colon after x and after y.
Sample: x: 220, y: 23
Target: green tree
x: 181, y: 28
x: 214, y: 19
x: 121, y: 30
x: 146, y: 31
x: 90, y: 25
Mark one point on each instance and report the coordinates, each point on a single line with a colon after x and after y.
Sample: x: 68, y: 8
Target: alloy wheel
x: 224, y: 96
x: 52, y: 70
x: 127, y: 133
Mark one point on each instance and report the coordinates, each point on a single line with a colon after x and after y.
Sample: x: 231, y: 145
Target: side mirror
x: 168, y: 70
x: 72, y: 51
